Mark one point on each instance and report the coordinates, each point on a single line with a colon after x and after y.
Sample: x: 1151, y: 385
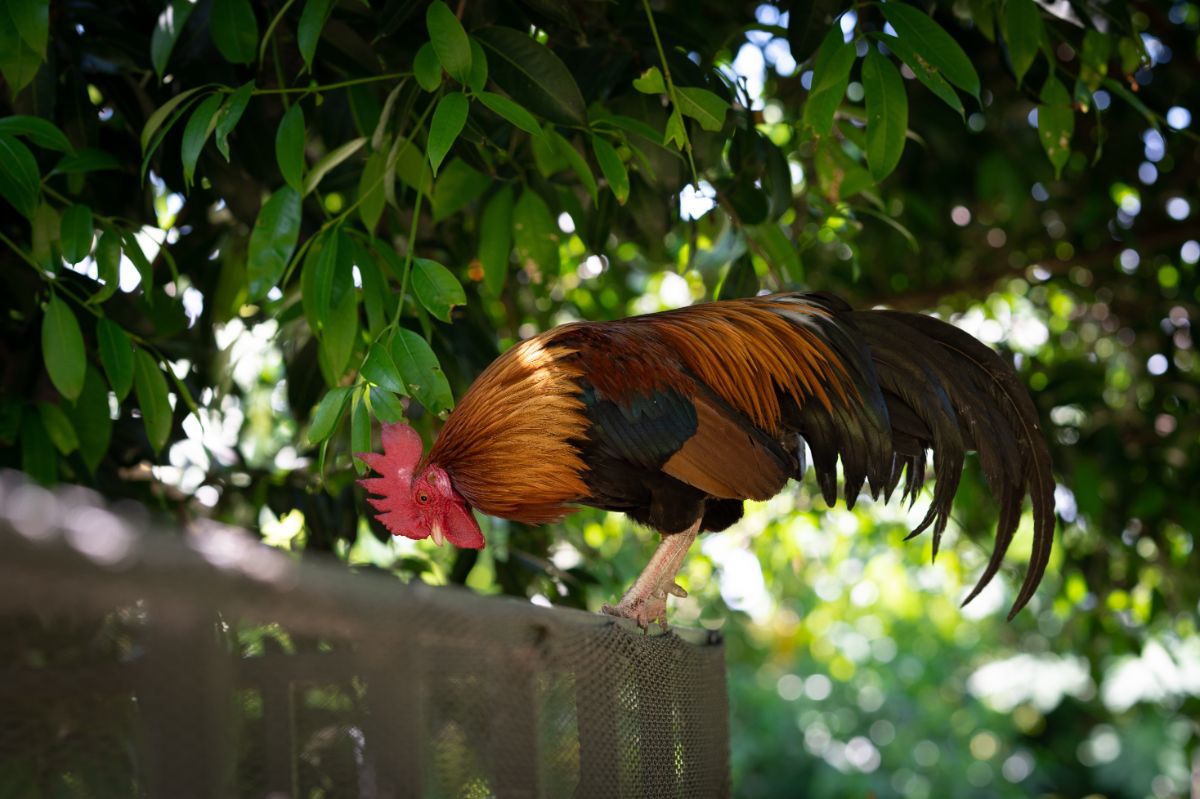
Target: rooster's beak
x: 436, y: 532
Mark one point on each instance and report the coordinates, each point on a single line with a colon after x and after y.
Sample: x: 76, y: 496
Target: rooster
x: 676, y: 418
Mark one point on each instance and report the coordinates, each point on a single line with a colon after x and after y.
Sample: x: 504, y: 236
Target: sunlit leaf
x: 448, y: 120
x: 925, y: 72
x: 386, y: 406
x: 166, y: 32
x: 133, y: 250
x: 933, y: 44
x: 328, y: 414
x: 449, y: 40
x: 199, y: 126
x: 532, y: 75
x: 62, y: 348
x: 380, y: 369
x: 650, y: 82
x: 831, y: 75
x: 436, y: 288
x: 152, y: 397
x: 703, y: 106
x: 887, y: 113
x: 421, y: 371
x: 360, y: 427
x: 272, y: 241
x: 427, y: 69
x: 108, y: 264
x: 612, y: 167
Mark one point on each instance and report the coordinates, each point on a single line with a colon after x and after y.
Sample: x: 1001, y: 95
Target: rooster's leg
x: 646, y: 600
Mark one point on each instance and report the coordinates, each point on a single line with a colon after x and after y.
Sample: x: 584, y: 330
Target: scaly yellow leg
x: 646, y: 599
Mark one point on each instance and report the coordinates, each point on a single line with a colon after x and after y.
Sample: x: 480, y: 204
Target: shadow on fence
x: 136, y: 661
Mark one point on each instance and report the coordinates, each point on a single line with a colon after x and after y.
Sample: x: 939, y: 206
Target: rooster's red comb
x: 401, y: 452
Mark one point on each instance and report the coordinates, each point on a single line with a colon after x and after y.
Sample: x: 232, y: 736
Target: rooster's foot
x: 641, y: 609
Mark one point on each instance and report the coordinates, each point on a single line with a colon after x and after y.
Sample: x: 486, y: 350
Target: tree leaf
x: 839, y: 175
x: 675, y: 132
x: 234, y: 30
x: 328, y: 414
x: 806, y: 23
x: 166, y: 32
x: 62, y: 348
x: 199, y: 126
x: 578, y: 163
x: 449, y: 40
x: 532, y: 75
x: 925, y: 72
x: 458, y: 185
x: 380, y: 369
x: 933, y: 44
x: 37, y: 450
x: 612, y: 167
x: 19, y: 62
x: 437, y: 288
x: 375, y: 294
x: 535, y: 233
x: 151, y: 388
x: 511, y: 111
x: 162, y: 112
x: 108, y: 264
x: 360, y: 428
x: 1097, y: 49
x: 421, y: 371
x: 89, y: 416
x: 289, y: 147
x: 133, y: 249
x: 59, y: 428
x: 427, y: 69
x: 32, y: 21
x: 495, y: 239
x: 478, y: 76
x: 780, y: 251
x: 40, y: 131
x: 703, y: 106
x: 308, y: 32
x: 272, y: 241
x: 650, y: 82
x: 1056, y: 123
x: 76, y: 233
x: 385, y: 405
x: 1022, y: 33
x: 116, y: 354
x: 831, y: 75
x: 371, y: 197
x: 411, y: 167
x: 339, y: 329
x: 20, y: 182
x: 231, y: 114
x: 448, y: 120
x: 887, y: 113
x: 331, y: 160
x: 87, y: 159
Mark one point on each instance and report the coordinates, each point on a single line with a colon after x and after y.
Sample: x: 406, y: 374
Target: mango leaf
x: 612, y: 167
x: 511, y: 111
x: 371, y: 197
x: 1022, y: 33
x: 76, y: 233
x: 448, y: 120
x: 421, y: 371
x: 703, y: 106
x: 360, y: 427
x: 62, y: 348
x: 328, y: 414
x: 535, y: 233
x: 234, y: 30
x: 578, y: 163
x: 59, y: 428
x: 151, y: 388
x: 925, y: 72
x: 427, y: 69
x: 199, y: 126
x: 20, y: 182
x: 272, y: 241
x: 289, y: 147
x: 1056, y: 123
x: 650, y: 82
x: 831, y: 75
x: 116, y: 354
x: 532, y: 75
x: 37, y: 450
x: 108, y: 264
x: 308, y: 32
x: 166, y: 32
x: 449, y: 40
x: 380, y: 369
x: 231, y: 114
x: 89, y: 416
x: 437, y: 288
x: 931, y: 42
x: 495, y: 239
x: 887, y: 113
x: 385, y: 405
x: 330, y: 160
x: 39, y: 131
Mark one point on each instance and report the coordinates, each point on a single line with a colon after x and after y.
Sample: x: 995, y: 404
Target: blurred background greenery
x: 1048, y: 207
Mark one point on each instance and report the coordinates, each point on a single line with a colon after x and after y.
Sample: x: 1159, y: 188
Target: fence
x: 137, y: 661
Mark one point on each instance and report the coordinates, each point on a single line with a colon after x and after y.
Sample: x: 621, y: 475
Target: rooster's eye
x: 422, y: 497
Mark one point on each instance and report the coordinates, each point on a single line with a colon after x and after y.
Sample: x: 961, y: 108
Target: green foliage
x: 403, y: 192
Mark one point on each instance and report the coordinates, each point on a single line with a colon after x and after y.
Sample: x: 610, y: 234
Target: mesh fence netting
x: 136, y: 661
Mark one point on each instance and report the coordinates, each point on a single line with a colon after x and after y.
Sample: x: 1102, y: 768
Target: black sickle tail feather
x: 951, y: 393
